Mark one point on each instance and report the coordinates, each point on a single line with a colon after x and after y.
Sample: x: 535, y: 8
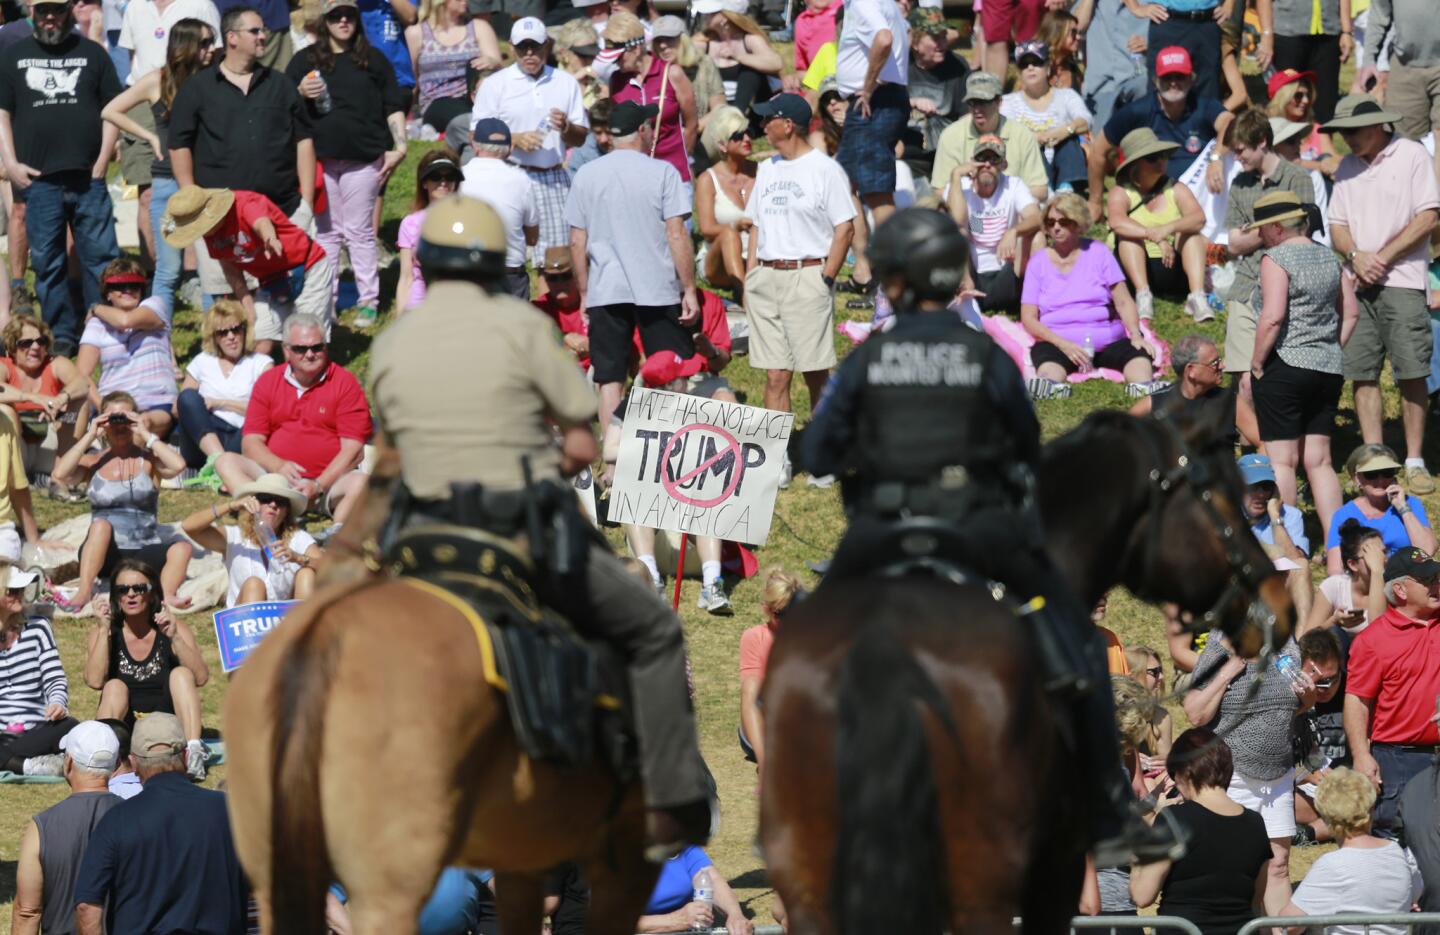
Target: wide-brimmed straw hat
x: 1280, y: 205
x: 1139, y: 143
x: 275, y: 485
x: 193, y: 212
x: 1358, y: 110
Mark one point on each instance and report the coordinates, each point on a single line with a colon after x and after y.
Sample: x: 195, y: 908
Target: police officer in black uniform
x: 932, y: 419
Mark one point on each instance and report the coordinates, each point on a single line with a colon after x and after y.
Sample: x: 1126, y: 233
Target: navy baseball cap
x: 629, y: 116
x: 790, y: 106
x: 491, y: 130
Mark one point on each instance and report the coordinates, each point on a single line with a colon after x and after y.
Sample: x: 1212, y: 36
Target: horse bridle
x: 1188, y: 470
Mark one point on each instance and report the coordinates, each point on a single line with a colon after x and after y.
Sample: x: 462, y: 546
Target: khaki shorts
x: 1393, y: 323
x: 1239, y: 336
x: 791, y: 315
x: 136, y: 156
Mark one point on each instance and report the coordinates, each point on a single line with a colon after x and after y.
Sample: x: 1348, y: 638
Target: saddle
x: 567, y: 696
x: 900, y: 547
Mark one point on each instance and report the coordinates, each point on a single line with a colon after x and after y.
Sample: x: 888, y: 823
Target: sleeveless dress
x: 129, y: 506
x: 670, y: 142
x: 442, y: 69
x: 148, y: 679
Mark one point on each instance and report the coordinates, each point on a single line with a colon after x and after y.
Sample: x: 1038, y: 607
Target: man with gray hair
x: 489, y: 178
x: 54, y: 841
x: 307, y: 421
x: 1199, y: 368
x: 163, y: 861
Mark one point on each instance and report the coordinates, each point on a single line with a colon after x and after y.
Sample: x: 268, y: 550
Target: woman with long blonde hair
x: 217, y: 386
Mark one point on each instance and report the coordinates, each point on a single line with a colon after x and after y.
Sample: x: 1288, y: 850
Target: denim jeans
x: 168, y: 259
x: 54, y: 203
x: 1066, y: 167
x: 1397, y: 767
x: 197, y: 421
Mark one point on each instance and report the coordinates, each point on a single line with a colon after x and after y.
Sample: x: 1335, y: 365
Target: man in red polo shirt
x: 1392, y: 681
x: 308, y: 421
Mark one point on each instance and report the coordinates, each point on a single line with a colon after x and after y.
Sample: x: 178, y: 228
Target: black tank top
x: 147, y: 679
x: 161, y: 167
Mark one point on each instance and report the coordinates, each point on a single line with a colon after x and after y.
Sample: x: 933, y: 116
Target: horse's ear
x: 1203, y: 426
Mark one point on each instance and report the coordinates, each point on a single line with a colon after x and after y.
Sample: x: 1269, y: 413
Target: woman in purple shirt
x: 1076, y: 305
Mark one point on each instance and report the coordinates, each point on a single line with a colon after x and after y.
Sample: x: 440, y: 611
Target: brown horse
x: 366, y: 747
x: 916, y: 777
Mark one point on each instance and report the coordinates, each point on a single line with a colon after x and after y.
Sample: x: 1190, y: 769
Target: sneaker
x: 196, y: 753
x: 1041, y: 388
x: 190, y: 293
x: 822, y: 483
x: 659, y: 584
x: 1145, y: 303
x: 1304, y: 836
x: 786, y: 473
x: 365, y: 316
x: 1418, y: 480
x: 861, y: 304
x: 1139, y: 390
x: 714, y: 600
x: 1197, y: 306
x: 50, y: 765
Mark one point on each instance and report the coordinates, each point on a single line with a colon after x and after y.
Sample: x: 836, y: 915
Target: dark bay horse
x: 366, y: 747
x: 916, y: 779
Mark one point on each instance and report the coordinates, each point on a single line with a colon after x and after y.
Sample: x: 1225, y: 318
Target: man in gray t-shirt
x: 632, y: 254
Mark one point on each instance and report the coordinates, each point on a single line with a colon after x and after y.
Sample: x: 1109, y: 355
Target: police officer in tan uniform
x: 465, y: 385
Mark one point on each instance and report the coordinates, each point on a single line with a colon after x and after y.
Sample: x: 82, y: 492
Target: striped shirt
x: 31, y: 676
x: 136, y: 360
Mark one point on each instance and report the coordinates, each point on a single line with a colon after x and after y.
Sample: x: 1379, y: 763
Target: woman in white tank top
x: 720, y: 196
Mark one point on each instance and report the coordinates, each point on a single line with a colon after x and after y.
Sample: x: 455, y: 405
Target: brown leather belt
x: 791, y: 264
x: 539, y: 169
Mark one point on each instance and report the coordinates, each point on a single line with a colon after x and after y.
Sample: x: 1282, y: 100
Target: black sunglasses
x: 529, y: 47
x: 739, y: 135
x: 1381, y: 474
x: 266, y: 499
x: 300, y: 350
x: 233, y: 329
x: 336, y: 16
x: 254, y: 30
x: 1156, y: 671
x: 15, y: 592
x: 445, y: 178
x: 24, y: 343
x: 123, y: 589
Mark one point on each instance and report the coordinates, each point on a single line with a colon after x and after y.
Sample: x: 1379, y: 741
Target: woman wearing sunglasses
x: 437, y: 177
x: 217, y: 387
x: 44, y: 390
x: 1382, y: 504
x: 267, y: 555
x: 142, y: 660
x: 128, y: 336
x: 124, y: 494
x: 358, y: 111
x: 720, y: 195
x: 1292, y: 96
x: 34, y: 693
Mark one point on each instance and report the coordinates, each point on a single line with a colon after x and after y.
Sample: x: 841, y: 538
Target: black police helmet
x: 463, y: 237
x: 925, y: 248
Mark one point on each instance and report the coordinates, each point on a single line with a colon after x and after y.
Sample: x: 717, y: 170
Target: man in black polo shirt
x: 164, y: 860
x: 1178, y: 114
x: 240, y: 125
x: 55, y: 148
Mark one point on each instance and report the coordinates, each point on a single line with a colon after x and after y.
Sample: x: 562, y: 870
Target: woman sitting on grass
x: 42, y: 389
x: 124, y: 497
x: 129, y: 338
x: 34, y: 693
x: 217, y: 387
x: 276, y: 563
x: 142, y: 660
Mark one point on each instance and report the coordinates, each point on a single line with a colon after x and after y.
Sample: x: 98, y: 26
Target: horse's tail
x: 300, y: 869
x: 889, y: 855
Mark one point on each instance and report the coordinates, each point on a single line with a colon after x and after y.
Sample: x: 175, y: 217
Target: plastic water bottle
x: 1288, y: 667
x: 1089, y: 348
x: 704, y: 894
x: 323, y: 102
x: 266, y: 537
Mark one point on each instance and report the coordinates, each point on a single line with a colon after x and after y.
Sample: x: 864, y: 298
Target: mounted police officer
x: 931, y: 419
x: 467, y: 387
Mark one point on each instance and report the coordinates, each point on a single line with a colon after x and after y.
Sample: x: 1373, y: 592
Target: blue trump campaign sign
x: 240, y: 629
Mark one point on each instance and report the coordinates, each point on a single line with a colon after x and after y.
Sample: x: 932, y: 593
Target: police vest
x: 923, y: 408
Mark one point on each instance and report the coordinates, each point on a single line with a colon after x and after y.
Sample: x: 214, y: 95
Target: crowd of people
x: 620, y: 147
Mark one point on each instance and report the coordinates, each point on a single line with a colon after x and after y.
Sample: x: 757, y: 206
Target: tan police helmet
x: 463, y: 235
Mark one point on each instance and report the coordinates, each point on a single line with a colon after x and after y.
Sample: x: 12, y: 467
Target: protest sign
x: 239, y: 629
x: 699, y: 466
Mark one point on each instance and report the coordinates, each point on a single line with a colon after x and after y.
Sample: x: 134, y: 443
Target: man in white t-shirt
x: 803, y: 219
x: 872, y: 71
x: 1000, y: 215
x: 489, y: 178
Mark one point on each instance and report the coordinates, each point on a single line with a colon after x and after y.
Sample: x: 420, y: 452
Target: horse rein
x: 1188, y: 470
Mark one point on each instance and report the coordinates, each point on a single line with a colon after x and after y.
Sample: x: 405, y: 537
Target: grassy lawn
x: 808, y: 523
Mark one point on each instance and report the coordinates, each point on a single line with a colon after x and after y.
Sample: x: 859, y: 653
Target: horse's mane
x: 1097, y: 427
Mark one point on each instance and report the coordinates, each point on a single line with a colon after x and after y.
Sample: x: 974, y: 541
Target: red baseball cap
x: 1287, y: 76
x: 664, y: 367
x: 1173, y: 60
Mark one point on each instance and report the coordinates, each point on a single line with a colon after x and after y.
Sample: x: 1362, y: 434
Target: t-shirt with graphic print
x: 54, y: 95
x: 991, y: 217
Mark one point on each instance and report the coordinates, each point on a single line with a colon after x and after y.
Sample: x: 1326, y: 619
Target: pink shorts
x: 1004, y: 19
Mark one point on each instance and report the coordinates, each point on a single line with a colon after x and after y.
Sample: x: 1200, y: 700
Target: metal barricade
x: 1134, y: 922
x: 1365, y: 919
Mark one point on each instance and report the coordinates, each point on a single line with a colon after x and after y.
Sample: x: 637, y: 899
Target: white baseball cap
x: 580, y: 4
x: 92, y: 744
x: 706, y: 7
x: 736, y: 6
x: 20, y: 577
x: 528, y: 29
